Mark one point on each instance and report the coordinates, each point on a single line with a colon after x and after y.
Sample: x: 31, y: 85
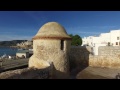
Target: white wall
x: 103, y: 38
x: 114, y: 35
x: 87, y: 41
x: 20, y: 54
x: 95, y: 48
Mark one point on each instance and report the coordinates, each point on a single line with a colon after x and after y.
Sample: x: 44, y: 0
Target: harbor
x: 17, y: 59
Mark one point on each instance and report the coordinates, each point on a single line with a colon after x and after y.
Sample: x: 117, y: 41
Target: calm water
x: 7, y: 51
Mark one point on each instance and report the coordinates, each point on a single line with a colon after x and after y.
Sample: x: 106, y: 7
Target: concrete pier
x: 13, y: 64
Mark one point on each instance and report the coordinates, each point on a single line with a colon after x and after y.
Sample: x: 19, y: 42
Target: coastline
x: 4, y: 46
x: 9, y: 46
x: 21, y: 47
x: 16, y: 47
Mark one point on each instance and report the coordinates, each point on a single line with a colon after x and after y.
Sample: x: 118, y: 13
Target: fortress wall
x: 108, y: 57
x: 28, y: 73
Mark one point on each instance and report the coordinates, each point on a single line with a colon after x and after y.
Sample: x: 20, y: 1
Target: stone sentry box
x: 52, y: 45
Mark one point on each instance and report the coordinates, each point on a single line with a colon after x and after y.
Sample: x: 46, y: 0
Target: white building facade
x: 104, y: 39
x: 25, y: 43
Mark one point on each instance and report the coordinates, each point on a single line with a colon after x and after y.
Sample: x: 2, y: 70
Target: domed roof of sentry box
x: 52, y: 30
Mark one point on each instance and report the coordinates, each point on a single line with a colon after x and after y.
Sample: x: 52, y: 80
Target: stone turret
x: 52, y: 45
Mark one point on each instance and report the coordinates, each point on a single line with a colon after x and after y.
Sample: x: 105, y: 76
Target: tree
x: 76, y: 40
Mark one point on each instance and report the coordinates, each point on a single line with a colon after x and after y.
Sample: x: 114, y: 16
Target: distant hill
x: 11, y: 43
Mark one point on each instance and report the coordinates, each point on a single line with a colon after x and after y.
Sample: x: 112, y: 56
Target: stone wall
x: 109, y: 50
x: 79, y: 56
x: 28, y: 73
x: 46, y: 51
x: 110, y: 61
x: 108, y: 57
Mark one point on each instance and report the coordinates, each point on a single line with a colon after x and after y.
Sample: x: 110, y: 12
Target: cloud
x: 14, y: 37
x: 89, y: 29
x: 81, y: 30
x: 88, y: 32
x: 107, y: 27
x: 18, y: 31
x: 7, y: 34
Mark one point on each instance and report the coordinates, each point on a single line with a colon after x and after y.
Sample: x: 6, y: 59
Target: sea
x: 8, y: 51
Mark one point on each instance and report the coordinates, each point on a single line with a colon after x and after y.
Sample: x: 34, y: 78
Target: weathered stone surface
x: 78, y: 57
x: 109, y: 50
x: 109, y: 57
x: 52, y: 30
x: 27, y: 73
x: 47, y: 49
x: 104, y: 61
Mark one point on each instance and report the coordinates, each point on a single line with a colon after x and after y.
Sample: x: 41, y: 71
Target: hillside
x: 11, y: 43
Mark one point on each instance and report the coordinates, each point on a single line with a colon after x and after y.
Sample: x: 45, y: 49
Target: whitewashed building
x: 27, y: 43
x: 22, y: 54
x: 104, y: 39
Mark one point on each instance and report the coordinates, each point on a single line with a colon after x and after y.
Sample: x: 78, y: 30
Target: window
x: 116, y: 43
x: 108, y: 43
x: 117, y: 38
x: 62, y: 44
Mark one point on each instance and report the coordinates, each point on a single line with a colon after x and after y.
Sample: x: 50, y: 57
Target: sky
x: 23, y: 25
